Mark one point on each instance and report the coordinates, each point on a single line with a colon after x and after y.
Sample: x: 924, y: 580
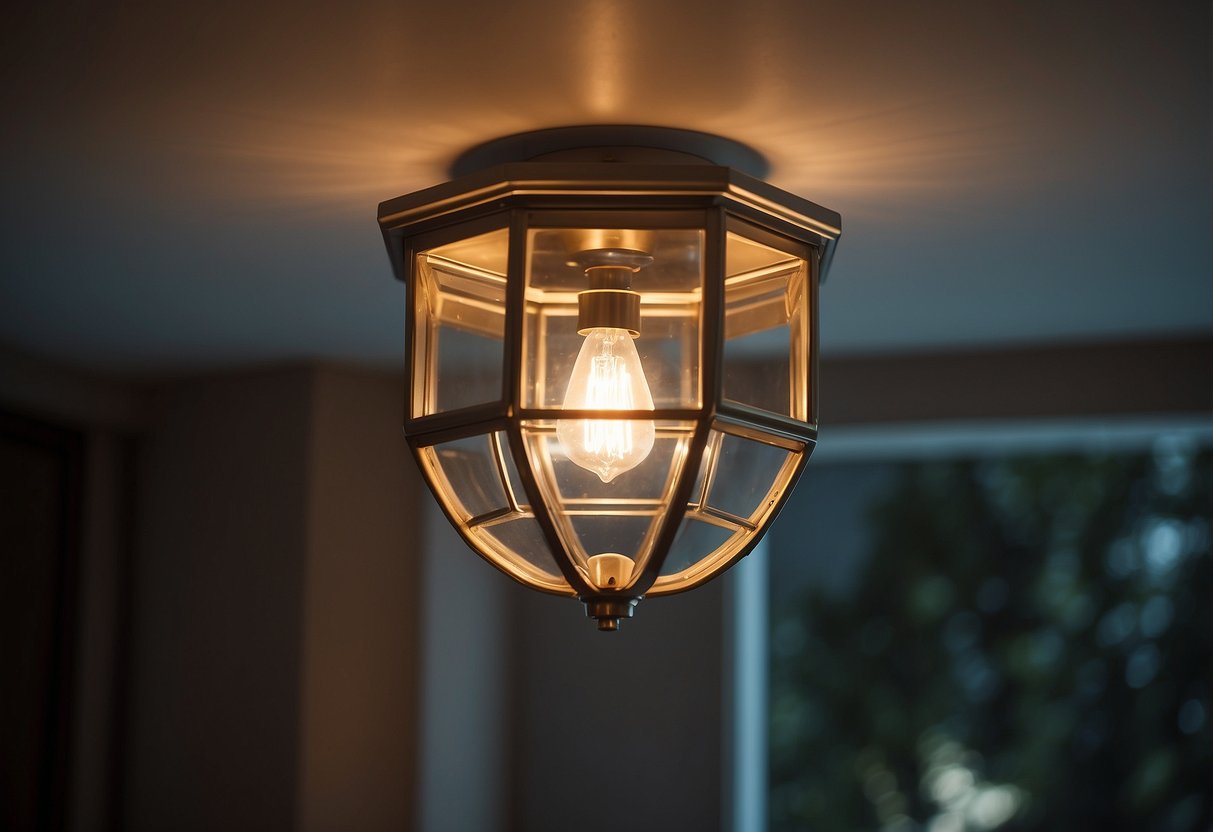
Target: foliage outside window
x: 1025, y: 644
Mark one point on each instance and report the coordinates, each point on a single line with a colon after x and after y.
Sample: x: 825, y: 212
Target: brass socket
x: 614, y: 308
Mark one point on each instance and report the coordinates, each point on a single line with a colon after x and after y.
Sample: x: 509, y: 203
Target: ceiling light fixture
x: 611, y: 346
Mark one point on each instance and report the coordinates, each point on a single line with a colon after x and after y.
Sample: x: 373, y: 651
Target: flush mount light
x: 611, y: 346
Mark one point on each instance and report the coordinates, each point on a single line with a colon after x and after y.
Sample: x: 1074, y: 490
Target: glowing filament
x: 607, y: 376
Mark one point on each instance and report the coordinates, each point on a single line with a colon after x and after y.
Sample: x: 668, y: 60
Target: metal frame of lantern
x: 511, y: 200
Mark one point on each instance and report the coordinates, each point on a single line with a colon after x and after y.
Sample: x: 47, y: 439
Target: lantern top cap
x: 628, y: 143
x: 622, y: 185
x: 612, y: 166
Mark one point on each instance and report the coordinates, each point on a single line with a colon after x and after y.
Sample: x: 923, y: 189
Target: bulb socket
x: 610, y: 301
x: 613, y: 308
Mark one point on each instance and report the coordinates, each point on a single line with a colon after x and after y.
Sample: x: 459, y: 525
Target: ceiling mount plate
x: 613, y: 143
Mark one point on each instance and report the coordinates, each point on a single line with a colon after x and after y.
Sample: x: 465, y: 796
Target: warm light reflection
x: 284, y: 158
x: 605, y: 35
x: 336, y: 107
x: 875, y: 161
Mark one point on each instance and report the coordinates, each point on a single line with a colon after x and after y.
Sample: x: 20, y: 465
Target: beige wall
x: 357, y: 721
x: 274, y: 614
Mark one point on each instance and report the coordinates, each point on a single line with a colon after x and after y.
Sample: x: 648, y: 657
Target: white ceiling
x: 195, y: 185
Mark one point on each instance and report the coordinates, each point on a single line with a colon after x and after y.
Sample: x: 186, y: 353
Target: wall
x: 274, y: 613
x: 108, y: 413
x: 358, y: 725
x: 246, y: 643
x: 465, y: 718
x: 533, y: 720
x: 217, y: 605
x: 101, y: 672
x: 619, y: 730
x: 1131, y: 378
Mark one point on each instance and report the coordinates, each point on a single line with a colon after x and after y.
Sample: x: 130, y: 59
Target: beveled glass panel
x: 459, y: 330
x: 475, y: 480
x: 519, y: 541
x: 671, y: 295
x: 749, y: 476
x: 697, y: 541
x: 466, y: 475
x: 704, y: 551
x: 741, y: 479
x: 766, y: 327
x: 612, y: 534
x: 620, y: 517
x: 515, y: 490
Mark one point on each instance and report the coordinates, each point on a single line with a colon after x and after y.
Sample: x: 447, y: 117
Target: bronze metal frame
x: 622, y: 195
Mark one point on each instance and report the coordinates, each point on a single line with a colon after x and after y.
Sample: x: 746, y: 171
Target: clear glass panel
x: 706, y: 547
x: 622, y: 516
x: 466, y: 476
x: 520, y: 542
x: 748, y: 477
x: 513, y: 483
x: 671, y: 290
x: 477, y: 483
x: 766, y: 328
x: 697, y: 540
x: 459, y: 324
x: 740, y: 480
x: 612, y: 534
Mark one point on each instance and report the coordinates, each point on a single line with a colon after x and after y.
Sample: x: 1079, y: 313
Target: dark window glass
x: 1019, y: 644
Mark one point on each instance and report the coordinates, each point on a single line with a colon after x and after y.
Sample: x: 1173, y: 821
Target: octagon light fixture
x: 611, y: 349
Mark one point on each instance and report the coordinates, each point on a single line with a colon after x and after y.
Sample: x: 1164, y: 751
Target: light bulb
x: 607, y: 376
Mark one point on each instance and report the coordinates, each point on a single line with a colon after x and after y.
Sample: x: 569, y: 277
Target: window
x: 1016, y: 639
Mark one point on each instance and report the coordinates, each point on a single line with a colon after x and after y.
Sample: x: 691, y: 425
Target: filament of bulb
x: 607, y: 376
